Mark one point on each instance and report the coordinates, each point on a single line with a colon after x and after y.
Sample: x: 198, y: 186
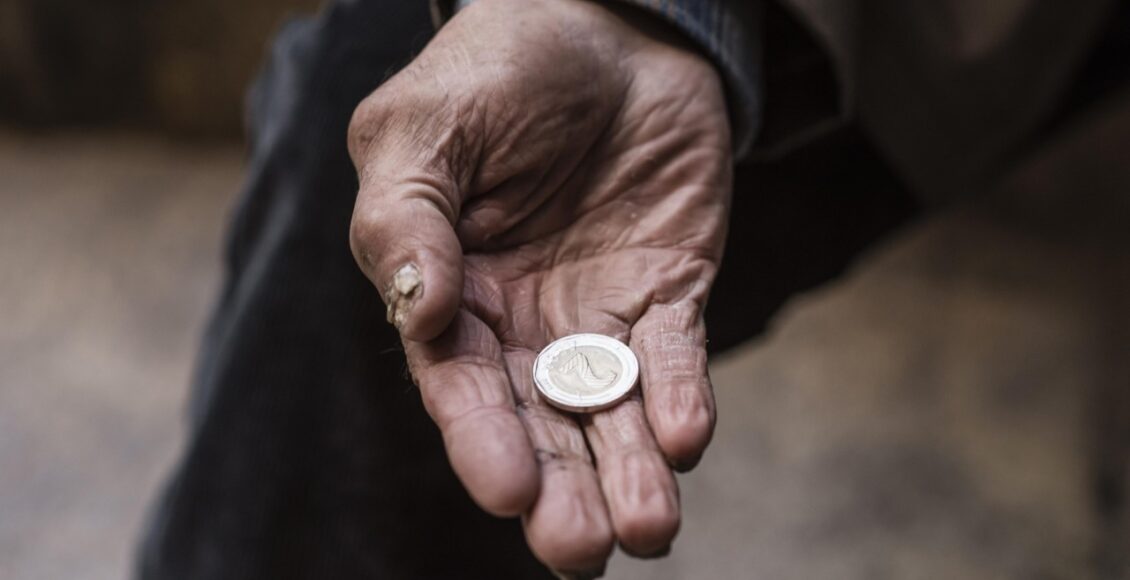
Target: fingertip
x: 650, y: 536
x: 684, y: 426
x: 685, y: 464
x: 495, y: 463
x: 410, y: 252
x: 511, y: 494
x: 643, y: 498
x: 578, y: 554
x: 571, y: 533
x: 649, y: 533
x: 427, y: 310
x: 512, y: 498
x: 661, y: 553
x: 684, y: 445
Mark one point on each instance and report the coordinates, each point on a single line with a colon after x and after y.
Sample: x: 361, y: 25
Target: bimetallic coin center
x: 585, y: 370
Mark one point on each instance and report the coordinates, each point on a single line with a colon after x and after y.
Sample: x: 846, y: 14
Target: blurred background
x: 956, y: 406
x: 175, y: 68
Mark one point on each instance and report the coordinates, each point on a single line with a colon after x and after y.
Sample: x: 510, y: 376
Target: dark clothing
x: 310, y: 455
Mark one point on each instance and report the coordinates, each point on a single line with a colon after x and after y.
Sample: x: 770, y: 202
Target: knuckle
x: 368, y: 123
x: 364, y: 233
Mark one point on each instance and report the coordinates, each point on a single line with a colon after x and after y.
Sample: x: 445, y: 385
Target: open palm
x: 520, y: 184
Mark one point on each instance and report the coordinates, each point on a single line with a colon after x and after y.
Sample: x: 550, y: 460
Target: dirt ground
x: 953, y: 408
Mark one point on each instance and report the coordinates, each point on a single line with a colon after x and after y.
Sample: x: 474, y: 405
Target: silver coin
x: 585, y: 372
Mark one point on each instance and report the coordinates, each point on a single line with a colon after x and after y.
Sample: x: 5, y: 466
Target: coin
x: 585, y: 372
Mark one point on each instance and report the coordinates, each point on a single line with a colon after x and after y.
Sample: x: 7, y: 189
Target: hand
x: 545, y: 168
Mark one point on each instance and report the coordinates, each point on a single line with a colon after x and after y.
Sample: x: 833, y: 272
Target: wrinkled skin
x: 545, y: 168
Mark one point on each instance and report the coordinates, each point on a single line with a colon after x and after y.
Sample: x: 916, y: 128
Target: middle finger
x: 568, y: 527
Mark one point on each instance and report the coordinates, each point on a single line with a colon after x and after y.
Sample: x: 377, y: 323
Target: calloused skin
x: 552, y: 167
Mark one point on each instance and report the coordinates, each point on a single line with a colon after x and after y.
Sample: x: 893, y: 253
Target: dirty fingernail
x: 402, y: 294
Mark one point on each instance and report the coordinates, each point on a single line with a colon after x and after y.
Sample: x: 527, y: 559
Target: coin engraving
x: 585, y: 372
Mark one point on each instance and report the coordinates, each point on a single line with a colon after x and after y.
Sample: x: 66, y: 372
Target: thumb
x: 403, y: 239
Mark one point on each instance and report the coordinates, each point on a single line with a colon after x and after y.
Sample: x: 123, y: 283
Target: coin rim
x: 621, y: 351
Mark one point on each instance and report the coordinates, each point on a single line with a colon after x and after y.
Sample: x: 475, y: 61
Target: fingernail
x: 663, y: 553
x: 402, y: 294
x: 685, y: 465
x: 579, y: 575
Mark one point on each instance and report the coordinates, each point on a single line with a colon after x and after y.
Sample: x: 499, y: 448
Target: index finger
x: 466, y: 391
